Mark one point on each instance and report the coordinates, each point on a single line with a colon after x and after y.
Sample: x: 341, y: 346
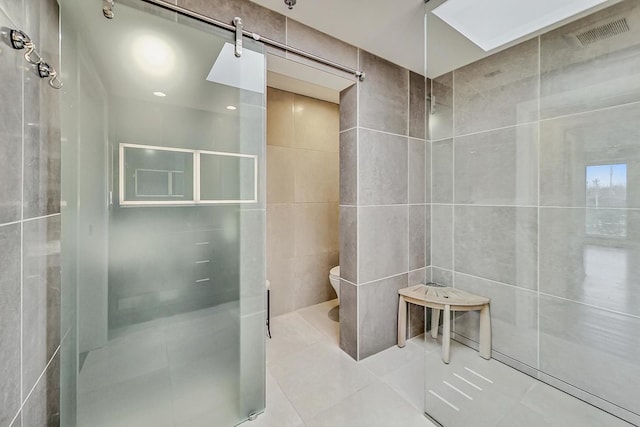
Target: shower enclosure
x: 535, y: 155
x: 163, y: 220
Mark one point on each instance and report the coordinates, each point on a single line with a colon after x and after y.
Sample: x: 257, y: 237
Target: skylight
x: 493, y: 23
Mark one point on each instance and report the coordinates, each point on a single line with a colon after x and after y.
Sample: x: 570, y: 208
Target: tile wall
x: 303, y: 183
x: 29, y: 223
x: 384, y: 203
x: 535, y: 161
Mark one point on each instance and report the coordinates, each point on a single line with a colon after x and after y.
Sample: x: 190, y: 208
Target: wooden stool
x: 447, y: 299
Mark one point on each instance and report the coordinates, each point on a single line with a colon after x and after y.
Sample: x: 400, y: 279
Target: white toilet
x: 334, y: 278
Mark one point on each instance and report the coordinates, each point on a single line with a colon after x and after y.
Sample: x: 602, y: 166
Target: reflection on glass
x: 606, y: 186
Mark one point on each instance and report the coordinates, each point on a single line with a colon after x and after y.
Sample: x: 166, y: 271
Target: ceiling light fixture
x: 494, y: 23
x: 231, y: 107
x: 153, y: 55
x: 160, y: 94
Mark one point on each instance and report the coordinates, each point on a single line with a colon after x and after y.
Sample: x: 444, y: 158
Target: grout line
x: 597, y: 110
x: 608, y: 310
x: 44, y: 371
x: 519, y: 288
x: 386, y: 133
x: 383, y: 278
x: 358, y: 195
x: 11, y: 223
x: 478, y: 205
x: 41, y: 217
x: 538, y: 361
x: 408, y: 183
x: 22, y: 203
x: 347, y: 130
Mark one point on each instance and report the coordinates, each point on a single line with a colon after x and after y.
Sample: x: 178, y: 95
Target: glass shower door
x: 164, y: 222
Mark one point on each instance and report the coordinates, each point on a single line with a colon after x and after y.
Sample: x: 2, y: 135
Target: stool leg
x: 435, y: 322
x: 402, y: 321
x: 446, y: 333
x: 485, y: 332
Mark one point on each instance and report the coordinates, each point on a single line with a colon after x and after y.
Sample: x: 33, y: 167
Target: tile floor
x: 167, y: 373
x: 312, y: 383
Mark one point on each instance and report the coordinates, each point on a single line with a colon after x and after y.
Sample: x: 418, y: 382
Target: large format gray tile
x: 442, y: 171
x: 576, y: 339
x: 349, y: 318
x: 417, y: 106
x: 255, y: 18
x: 382, y: 168
x: 441, y: 114
x: 497, y: 243
x: 378, y: 314
x: 500, y: 90
x: 442, y: 236
x: 501, y: 388
x: 279, y: 411
x: 348, y: 167
x: 11, y: 63
x: 41, y: 409
x: 384, y: 95
x: 560, y: 409
x: 591, y: 159
x: 383, y: 242
x: 42, y: 153
x: 349, y: 243
x: 442, y: 277
x: 591, y: 256
x: 497, y: 167
x: 41, y: 297
x: 577, y: 78
x: 319, y: 377
x: 419, y: 171
x: 384, y: 408
x: 290, y: 334
x: 349, y: 107
x: 13, y: 12
x: 315, y: 42
x: 514, y: 318
x: 419, y: 237
x: 10, y: 398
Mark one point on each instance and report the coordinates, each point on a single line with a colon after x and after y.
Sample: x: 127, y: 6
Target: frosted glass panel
x: 164, y: 236
x: 153, y: 175
x: 226, y: 177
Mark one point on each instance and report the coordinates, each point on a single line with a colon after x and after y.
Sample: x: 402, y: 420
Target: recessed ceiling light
x: 494, y: 23
x: 153, y: 55
x: 160, y: 94
x: 231, y: 107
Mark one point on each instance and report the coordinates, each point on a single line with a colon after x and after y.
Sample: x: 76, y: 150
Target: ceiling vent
x: 603, y: 32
